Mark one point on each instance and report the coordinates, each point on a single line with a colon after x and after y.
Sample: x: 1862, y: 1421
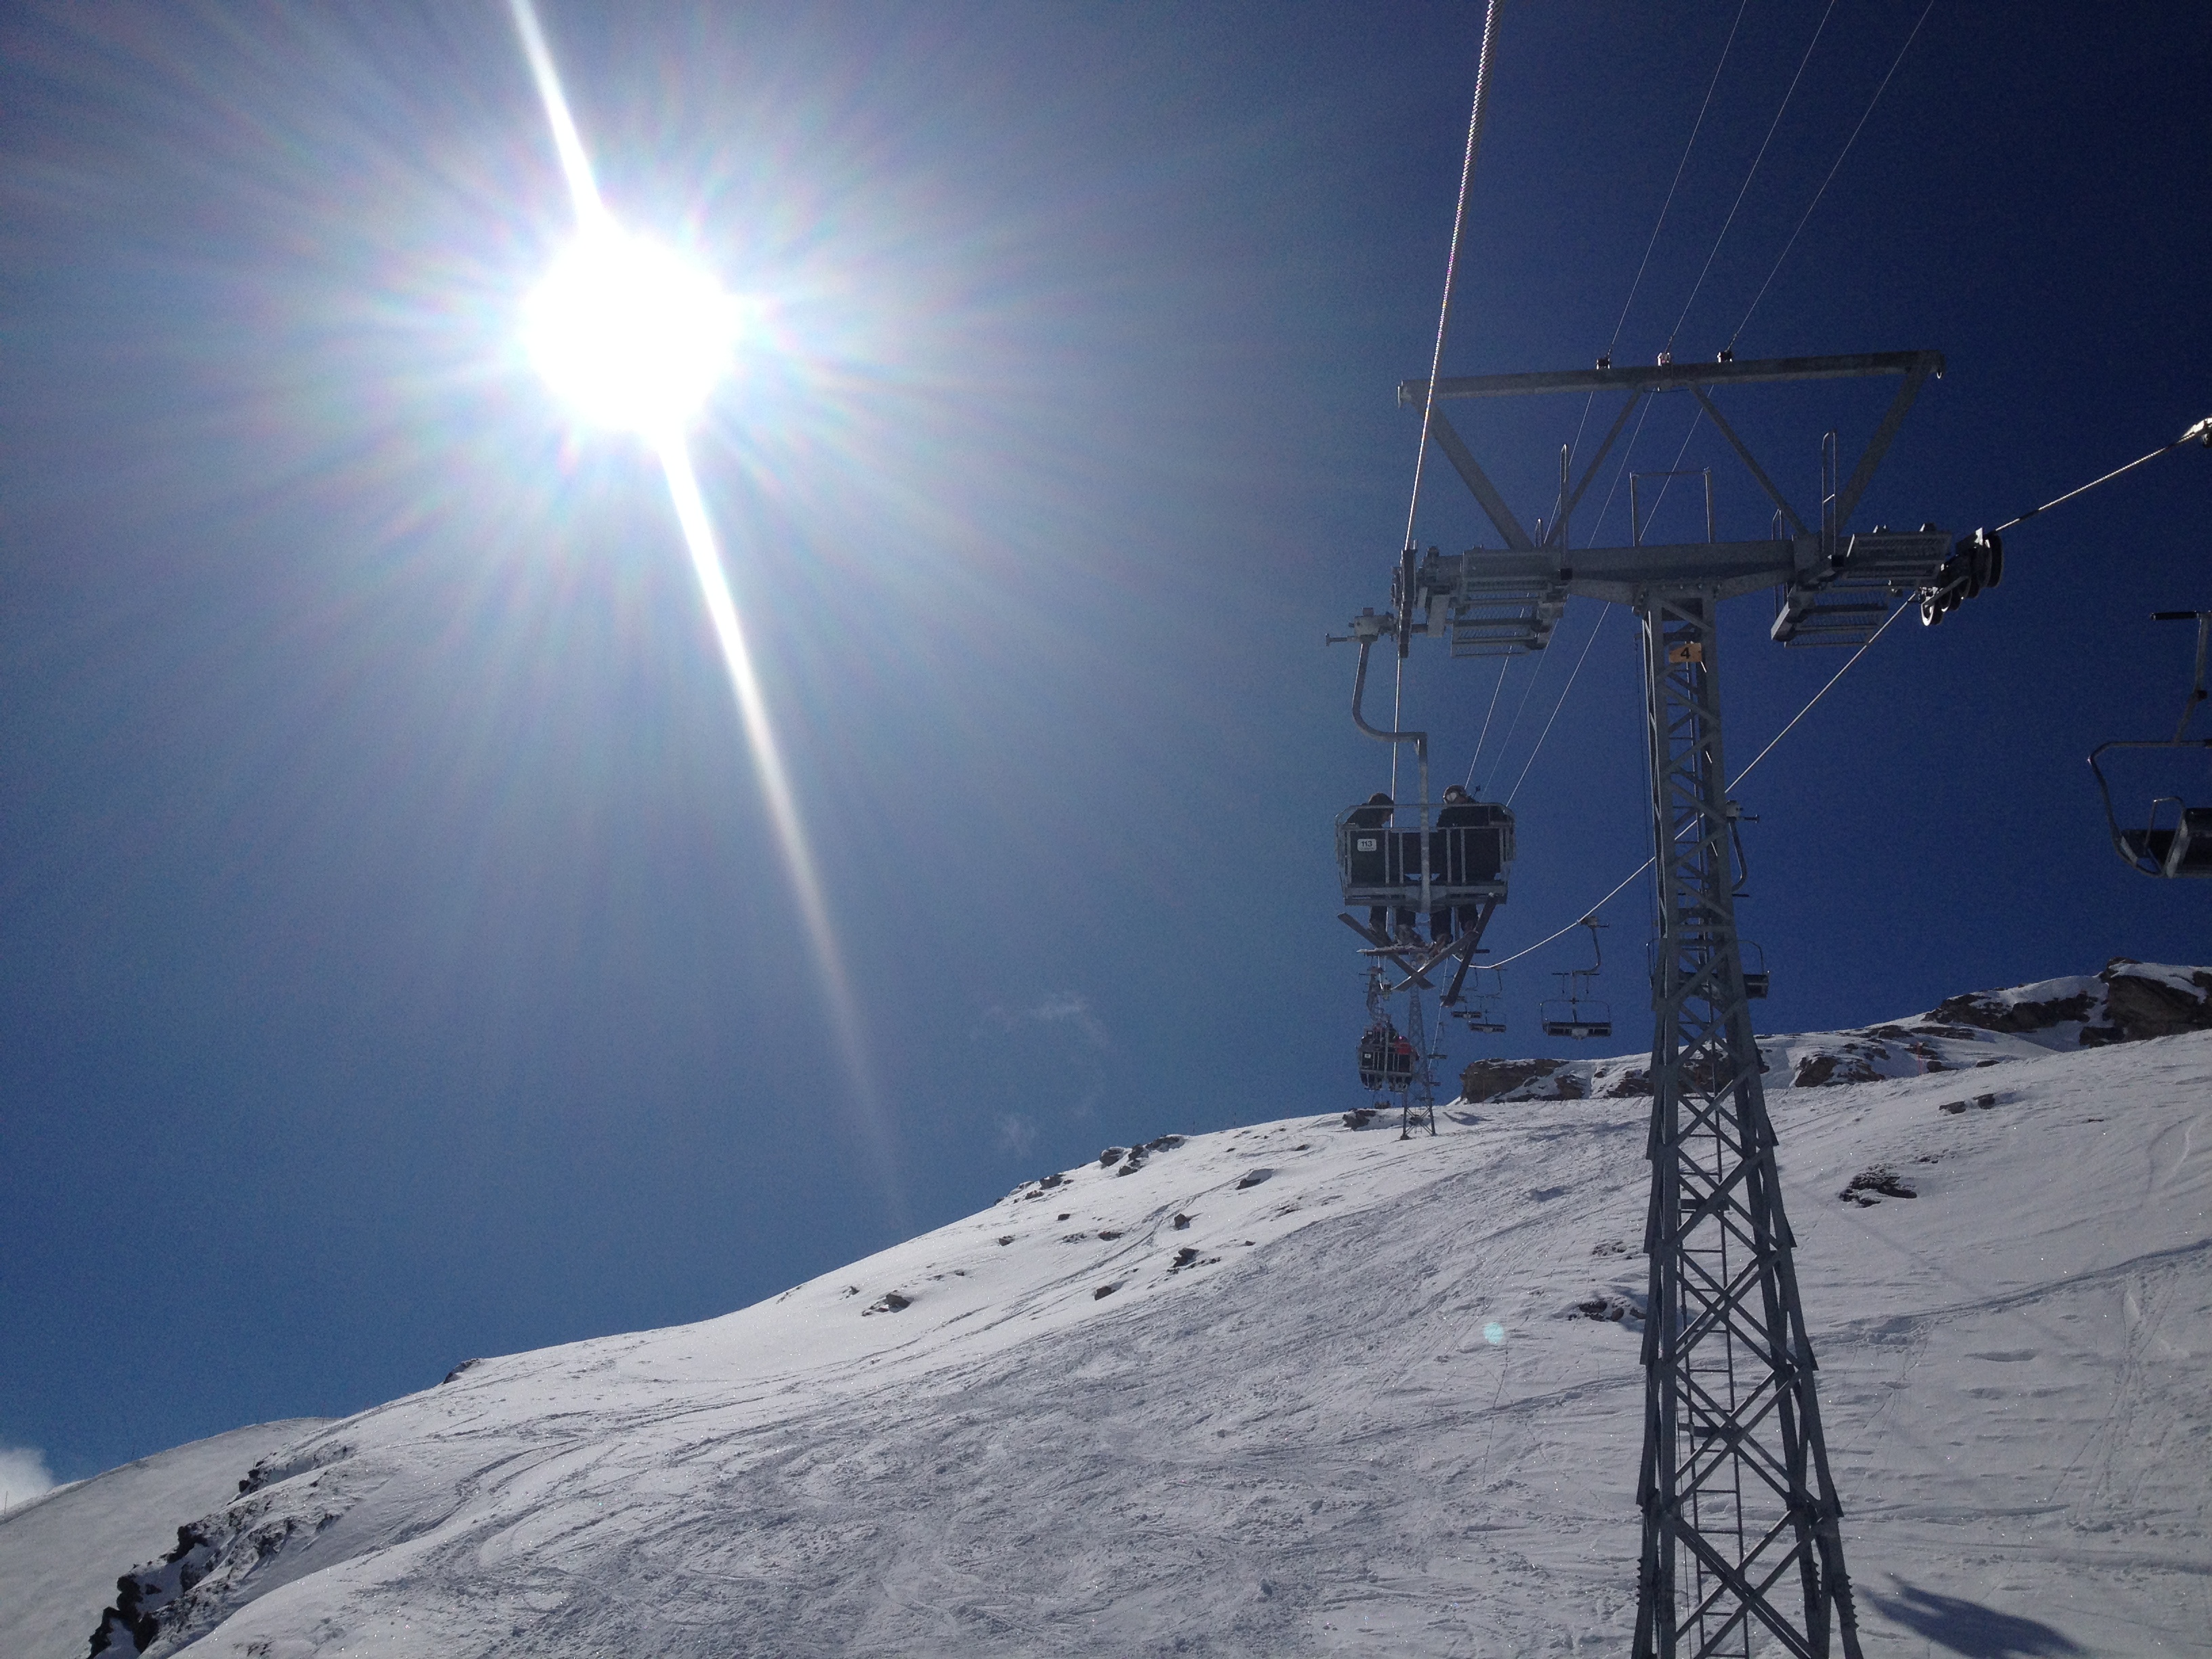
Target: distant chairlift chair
x: 1756, y: 980
x: 1386, y: 1059
x: 1488, y: 997
x: 1575, y: 1013
x: 2182, y: 847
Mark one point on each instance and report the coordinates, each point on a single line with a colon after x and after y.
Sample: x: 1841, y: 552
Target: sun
x: 627, y: 334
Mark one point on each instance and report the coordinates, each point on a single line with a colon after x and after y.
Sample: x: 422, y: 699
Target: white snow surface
x: 61, y: 1554
x: 1366, y: 1418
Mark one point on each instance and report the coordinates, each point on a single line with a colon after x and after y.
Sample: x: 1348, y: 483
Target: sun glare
x: 631, y: 336
x: 627, y: 334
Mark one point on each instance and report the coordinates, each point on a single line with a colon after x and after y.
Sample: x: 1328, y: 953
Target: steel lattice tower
x: 1742, y: 1548
x: 1735, y: 1488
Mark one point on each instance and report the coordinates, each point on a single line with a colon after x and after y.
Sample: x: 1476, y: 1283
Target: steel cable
x: 1620, y: 323
x: 1504, y: 663
x: 1474, y: 120
x: 1695, y: 418
x: 1560, y: 704
x: 1678, y: 166
x: 2200, y: 432
x: 1784, y: 256
x: 1451, y: 260
x: 1612, y: 892
x: 1745, y: 188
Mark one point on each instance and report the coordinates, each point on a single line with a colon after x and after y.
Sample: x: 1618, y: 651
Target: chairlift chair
x: 1379, y: 864
x: 1582, y: 1018
x: 1756, y: 980
x: 1386, y: 1059
x: 1575, y: 1013
x: 1486, y: 1016
x: 2183, y: 845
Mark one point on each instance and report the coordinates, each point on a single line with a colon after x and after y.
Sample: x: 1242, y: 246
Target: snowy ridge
x: 2129, y: 1001
x: 60, y: 1554
x: 1300, y: 1388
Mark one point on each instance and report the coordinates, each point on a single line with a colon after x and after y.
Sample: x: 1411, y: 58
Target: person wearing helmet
x: 1376, y: 815
x: 1459, y: 811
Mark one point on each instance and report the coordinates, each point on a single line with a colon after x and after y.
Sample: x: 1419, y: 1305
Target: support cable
x: 1695, y: 418
x: 1822, y: 693
x: 1451, y: 261
x: 1529, y: 690
x: 1504, y: 663
x: 1474, y: 121
x: 1615, y: 891
x: 2201, y: 433
x: 1620, y: 472
x: 1745, y: 188
x: 1678, y: 166
x: 1519, y: 708
x: 1830, y: 178
x: 1560, y: 704
x: 1621, y: 322
x: 1627, y: 304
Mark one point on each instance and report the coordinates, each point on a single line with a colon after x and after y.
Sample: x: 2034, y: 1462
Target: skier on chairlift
x: 1459, y: 811
x: 1376, y: 815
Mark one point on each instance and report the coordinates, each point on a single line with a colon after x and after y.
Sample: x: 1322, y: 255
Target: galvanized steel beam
x: 1735, y: 1488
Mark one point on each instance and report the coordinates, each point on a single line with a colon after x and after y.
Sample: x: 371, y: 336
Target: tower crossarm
x: 1677, y: 376
x: 1836, y: 586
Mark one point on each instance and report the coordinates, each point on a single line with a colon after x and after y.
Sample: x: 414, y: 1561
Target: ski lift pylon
x: 2183, y: 846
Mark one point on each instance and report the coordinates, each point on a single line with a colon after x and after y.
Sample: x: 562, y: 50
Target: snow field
x: 1304, y: 1441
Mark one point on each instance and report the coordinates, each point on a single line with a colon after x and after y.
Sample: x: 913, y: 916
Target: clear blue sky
x: 396, y: 963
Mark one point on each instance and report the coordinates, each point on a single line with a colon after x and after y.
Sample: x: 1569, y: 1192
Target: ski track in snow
x: 1302, y: 1442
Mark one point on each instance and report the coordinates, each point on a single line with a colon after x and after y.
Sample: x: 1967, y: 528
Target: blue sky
x: 396, y: 961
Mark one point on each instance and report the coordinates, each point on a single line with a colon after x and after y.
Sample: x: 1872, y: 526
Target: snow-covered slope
x: 1303, y: 1389
x: 2127, y: 1002
x: 60, y: 1556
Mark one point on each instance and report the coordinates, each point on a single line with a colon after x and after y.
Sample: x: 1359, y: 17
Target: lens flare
x: 632, y: 337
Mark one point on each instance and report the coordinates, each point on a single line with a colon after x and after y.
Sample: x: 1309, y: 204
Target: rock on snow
x: 1386, y: 1399
x: 59, y: 1556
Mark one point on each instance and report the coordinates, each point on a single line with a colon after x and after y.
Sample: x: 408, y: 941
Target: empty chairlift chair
x: 1488, y: 997
x: 1756, y: 982
x: 1575, y: 1013
x: 2176, y: 837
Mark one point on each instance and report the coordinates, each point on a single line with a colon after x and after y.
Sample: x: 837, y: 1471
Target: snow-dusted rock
x: 59, y: 1556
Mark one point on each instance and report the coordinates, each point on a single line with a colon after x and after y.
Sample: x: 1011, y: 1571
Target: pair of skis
x: 1414, y: 959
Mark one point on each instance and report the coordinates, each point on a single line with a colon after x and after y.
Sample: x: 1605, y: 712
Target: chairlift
x: 1488, y: 1014
x: 1575, y: 1013
x: 1756, y: 980
x: 1386, y: 1059
x: 1381, y: 864
x: 2177, y: 842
